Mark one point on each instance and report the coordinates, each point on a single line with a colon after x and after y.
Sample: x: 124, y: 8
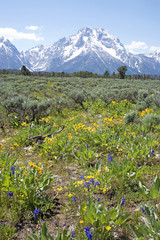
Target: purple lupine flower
x: 88, y: 233
x: 90, y: 236
x: 12, y: 170
x: 92, y: 180
x: 143, y: 211
x: 110, y: 158
x: 82, y: 177
x: 73, y: 235
x: 56, y: 223
x: 74, y: 198
x: 87, y: 146
x: 143, y: 134
x: 123, y: 201
x: 87, y: 229
x: 96, y: 184
x: 10, y: 194
x: 86, y: 184
x: 36, y: 212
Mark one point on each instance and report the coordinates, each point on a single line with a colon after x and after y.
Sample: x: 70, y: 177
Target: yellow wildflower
x: 1, y: 145
x: 54, y: 139
x: 81, y: 221
x: 16, y: 145
x: 59, y: 189
x: 108, y: 228
x: 24, y: 124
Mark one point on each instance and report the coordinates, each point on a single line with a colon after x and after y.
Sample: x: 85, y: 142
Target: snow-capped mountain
x: 94, y: 50
x: 9, y: 55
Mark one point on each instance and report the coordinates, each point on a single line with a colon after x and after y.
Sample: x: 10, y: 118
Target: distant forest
x: 83, y: 74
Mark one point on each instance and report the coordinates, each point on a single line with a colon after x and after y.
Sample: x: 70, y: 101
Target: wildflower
x: 123, y: 201
x: 110, y: 158
x: 12, y: 170
x: 56, y: 223
x: 81, y: 221
x: 143, y: 134
x: 16, y: 145
x: 87, y: 185
x: 87, y: 146
x: 1, y: 145
x: 151, y: 153
x: 64, y: 225
x: 70, y: 195
x: 85, y: 208
x: 74, y: 198
x: 59, y: 189
x: 73, y: 235
x: 54, y: 139
x: 82, y: 177
x: 143, y: 210
x: 96, y: 184
x: 12, y: 148
x: 88, y: 233
x: 98, y: 200
x: 10, y: 194
x: 87, y: 229
x: 92, y: 180
x: 36, y: 212
x: 108, y: 228
x: 24, y: 124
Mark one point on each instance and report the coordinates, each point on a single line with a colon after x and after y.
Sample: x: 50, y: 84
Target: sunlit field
x: 79, y: 158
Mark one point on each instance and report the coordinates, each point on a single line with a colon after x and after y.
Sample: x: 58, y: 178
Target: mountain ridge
x: 93, y: 50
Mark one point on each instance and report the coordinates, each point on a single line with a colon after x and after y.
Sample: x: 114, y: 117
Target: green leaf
x: 136, y: 232
x: 122, y: 219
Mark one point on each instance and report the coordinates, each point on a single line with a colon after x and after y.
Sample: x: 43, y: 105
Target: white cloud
x: 12, y: 34
x: 32, y: 28
x: 155, y: 49
x: 137, y: 47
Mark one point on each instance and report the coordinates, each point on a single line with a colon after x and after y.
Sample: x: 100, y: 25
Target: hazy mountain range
x: 93, y: 50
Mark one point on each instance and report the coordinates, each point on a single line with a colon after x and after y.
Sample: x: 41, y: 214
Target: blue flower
x: 10, y: 194
x: 143, y: 210
x: 74, y: 198
x: 87, y: 229
x: 36, y: 212
x: 143, y: 134
x: 86, y: 184
x: 123, y: 201
x: 92, y: 180
x: 98, y: 200
x: 110, y: 158
x: 87, y: 146
x: 64, y: 225
x: 96, y: 184
x: 12, y: 170
x: 151, y: 152
x: 82, y: 177
x: 73, y: 235
x: 56, y: 223
x: 90, y: 235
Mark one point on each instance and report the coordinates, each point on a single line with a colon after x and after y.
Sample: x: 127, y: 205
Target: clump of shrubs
x: 130, y: 117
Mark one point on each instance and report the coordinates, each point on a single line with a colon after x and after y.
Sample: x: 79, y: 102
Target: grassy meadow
x: 79, y: 158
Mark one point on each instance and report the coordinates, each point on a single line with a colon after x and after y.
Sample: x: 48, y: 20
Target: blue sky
x: 29, y: 23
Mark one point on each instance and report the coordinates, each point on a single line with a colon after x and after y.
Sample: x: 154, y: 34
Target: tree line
x: 121, y: 74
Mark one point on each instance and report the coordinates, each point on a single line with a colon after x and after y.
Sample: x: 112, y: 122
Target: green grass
x: 98, y: 172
